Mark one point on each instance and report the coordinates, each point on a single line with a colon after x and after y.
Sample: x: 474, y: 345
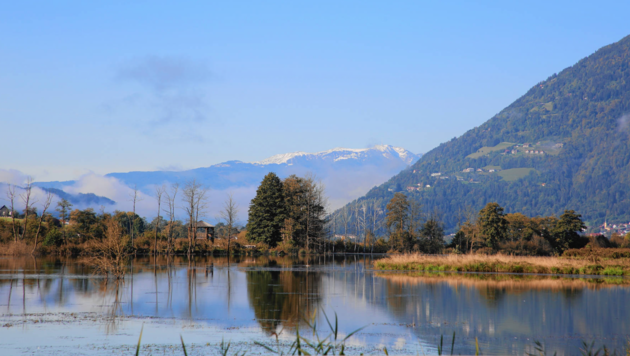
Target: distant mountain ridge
x: 79, y: 199
x: 338, y: 154
x: 238, y: 174
x: 345, y: 170
x: 565, y: 144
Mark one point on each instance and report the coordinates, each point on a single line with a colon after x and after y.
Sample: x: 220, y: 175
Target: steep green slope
x: 579, y: 119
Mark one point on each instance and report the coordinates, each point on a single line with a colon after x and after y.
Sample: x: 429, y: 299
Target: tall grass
x: 503, y: 263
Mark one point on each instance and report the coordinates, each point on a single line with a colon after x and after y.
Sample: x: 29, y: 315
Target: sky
x: 115, y: 86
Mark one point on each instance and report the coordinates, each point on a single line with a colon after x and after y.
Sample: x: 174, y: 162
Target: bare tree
x: 11, y: 199
x: 195, y: 202
x: 134, y: 199
x: 315, y: 210
x: 45, y: 206
x: 345, y: 219
x: 375, y: 213
x: 229, y: 215
x: 26, y: 198
x: 171, y: 204
x: 357, y: 222
x: 322, y: 202
x: 364, y: 209
x: 415, y: 219
x: 63, y: 207
x: 158, y: 196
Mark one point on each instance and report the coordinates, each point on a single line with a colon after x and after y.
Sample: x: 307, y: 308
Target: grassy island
x: 592, y: 265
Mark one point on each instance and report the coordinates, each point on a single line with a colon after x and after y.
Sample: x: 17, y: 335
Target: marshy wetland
x: 58, y: 306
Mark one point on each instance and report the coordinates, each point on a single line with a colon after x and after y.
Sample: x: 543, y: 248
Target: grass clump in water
x: 503, y: 263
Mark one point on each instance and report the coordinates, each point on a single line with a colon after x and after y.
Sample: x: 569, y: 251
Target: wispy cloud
x: 172, y: 90
x: 12, y: 176
x: 163, y: 74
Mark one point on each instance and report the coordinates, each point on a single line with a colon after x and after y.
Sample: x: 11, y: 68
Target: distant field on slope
x: 496, y: 168
x: 513, y: 174
x: 485, y: 150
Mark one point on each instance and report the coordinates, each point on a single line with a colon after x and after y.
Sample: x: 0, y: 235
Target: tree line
x: 69, y: 227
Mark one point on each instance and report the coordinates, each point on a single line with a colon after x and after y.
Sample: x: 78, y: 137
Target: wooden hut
x: 209, y: 229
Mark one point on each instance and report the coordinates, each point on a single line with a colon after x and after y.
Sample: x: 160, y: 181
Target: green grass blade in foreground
x: 333, y: 330
x: 183, y: 346
x: 354, y: 332
x: 453, y: 343
x: 477, y: 347
x: 139, y: 340
x: 223, y: 348
x: 267, y: 347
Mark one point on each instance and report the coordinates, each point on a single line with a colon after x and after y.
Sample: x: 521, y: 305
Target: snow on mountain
x: 280, y: 159
x: 346, y: 172
x: 339, y: 154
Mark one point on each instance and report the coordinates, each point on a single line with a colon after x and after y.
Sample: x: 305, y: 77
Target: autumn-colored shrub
x: 598, y: 252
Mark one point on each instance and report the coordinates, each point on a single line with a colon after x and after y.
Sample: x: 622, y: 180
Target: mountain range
x: 565, y: 144
x: 347, y: 173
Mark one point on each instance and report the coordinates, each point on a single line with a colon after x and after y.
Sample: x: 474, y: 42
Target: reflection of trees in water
x: 283, y: 297
x: 492, y: 295
x: 499, y: 306
x: 114, y: 312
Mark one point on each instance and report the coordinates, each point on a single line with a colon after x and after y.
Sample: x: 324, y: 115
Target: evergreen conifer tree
x: 567, y: 230
x: 493, y: 224
x: 267, y: 212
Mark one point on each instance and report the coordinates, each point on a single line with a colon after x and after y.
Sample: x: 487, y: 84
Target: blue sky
x: 120, y: 86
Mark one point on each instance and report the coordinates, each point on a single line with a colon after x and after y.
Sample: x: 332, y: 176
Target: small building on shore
x: 209, y: 230
x: 5, y: 212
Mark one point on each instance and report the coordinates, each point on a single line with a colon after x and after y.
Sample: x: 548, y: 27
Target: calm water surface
x: 57, y: 306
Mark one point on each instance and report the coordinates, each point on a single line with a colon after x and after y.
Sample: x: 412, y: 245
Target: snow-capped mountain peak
x: 342, y: 154
x: 281, y: 158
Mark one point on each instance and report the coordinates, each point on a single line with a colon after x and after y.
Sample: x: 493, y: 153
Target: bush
x: 486, y: 251
x: 599, y: 241
x: 619, y: 241
x: 54, y: 237
x: 537, y: 246
x: 598, y: 252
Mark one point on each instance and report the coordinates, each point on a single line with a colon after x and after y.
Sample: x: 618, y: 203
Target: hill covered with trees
x: 565, y: 144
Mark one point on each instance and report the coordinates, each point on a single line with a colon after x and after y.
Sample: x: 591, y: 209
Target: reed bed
x: 505, y: 264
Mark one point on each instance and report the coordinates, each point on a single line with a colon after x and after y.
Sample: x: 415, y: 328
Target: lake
x: 57, y: 306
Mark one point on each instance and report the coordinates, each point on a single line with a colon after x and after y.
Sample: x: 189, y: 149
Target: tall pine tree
x: 267, y: 212
x: 493, y: 224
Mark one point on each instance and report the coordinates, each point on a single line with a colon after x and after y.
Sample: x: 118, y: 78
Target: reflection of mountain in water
x: 282, y: 297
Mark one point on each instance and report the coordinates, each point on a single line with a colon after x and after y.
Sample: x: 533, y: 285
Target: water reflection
x: 259, y: 297
x: 282, y: 296
x: 500, y: 310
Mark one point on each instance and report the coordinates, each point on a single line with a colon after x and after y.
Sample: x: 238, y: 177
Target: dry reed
x: 503, y: 263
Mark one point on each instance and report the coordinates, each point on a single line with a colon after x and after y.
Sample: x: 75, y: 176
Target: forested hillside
x: 565, y: 144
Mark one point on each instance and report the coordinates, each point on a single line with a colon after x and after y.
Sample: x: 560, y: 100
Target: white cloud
x: 115, y: 190
x: 36, y: 200
x: 12, y: 176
